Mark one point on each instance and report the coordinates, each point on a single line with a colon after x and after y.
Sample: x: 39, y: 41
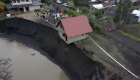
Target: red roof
x: 76, y: 26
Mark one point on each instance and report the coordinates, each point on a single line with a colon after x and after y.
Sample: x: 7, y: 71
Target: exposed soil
x: 71, y: 58
x: 126, y: 55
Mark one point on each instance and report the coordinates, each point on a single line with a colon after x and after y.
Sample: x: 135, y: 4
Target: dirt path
x: 33, y: 17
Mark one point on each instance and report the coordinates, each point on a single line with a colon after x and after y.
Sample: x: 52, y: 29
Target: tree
x: 80, y: 2
x: 5, y: 74
x: 126, y: 11
x: 123, y: 12
x: 97, y: 13
x: 2, y: 6
x: 5, y: 1
x: 85, y: 10
x: 118, y: 13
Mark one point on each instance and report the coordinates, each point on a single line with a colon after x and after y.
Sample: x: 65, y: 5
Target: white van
x: 58, y: 1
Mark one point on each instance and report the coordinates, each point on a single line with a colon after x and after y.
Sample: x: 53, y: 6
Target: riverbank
x: 25, y: 65
x: 76, y: 63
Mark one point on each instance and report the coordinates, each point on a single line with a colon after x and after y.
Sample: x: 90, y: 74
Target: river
x: 26, y: 66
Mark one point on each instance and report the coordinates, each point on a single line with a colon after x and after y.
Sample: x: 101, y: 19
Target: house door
x: 27, y: 8
x: 66, y: 37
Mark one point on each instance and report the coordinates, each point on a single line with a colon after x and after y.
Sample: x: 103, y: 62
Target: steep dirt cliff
x: 69, y: 56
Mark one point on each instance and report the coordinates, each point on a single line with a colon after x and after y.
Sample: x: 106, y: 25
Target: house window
x: 82, y: 34
x: 14, y: 1
x: 64, y: 34
x: 18, y: 1
x: 66, y: 38
x: 22, y: 0
x: 27, y: 0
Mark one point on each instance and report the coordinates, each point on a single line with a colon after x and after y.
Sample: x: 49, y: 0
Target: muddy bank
x: 26, y: 66
x: 68, y: 56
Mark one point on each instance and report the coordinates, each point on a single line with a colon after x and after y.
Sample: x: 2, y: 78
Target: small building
x: 97, y: 6
x: 109, y: 8
x: 73, y: 29
x: 23, y: 5
x: 136, y: 14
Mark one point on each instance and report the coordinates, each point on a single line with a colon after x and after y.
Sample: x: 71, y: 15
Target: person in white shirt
x: 8, y: 15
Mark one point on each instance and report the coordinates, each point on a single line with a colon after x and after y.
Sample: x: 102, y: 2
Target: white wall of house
x: 139, y: 19
x: 76, y: 38
x: 59, y: 28
x: 22, y: 2
x: 31, y: 8
x: 71, y: 39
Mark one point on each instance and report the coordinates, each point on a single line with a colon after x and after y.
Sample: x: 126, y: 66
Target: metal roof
x: 34, y: 3
x: 9, y: 6
x: 136, y: 12
x: 76, y: 26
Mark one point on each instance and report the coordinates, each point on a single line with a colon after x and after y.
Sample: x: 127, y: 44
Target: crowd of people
x: 55, y: 13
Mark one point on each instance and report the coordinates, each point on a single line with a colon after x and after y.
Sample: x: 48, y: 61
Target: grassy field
x: 129, y: 35
x: 109, y: 46
x: 71, y: 3
x: 2, y: 17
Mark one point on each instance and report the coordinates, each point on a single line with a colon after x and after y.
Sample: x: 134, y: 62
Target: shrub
x: 97, y: 13
x: 66, y: 10
x: 97, y: 27
x: 2, y: 6
x: 71, y: 12
x: 85, y: 9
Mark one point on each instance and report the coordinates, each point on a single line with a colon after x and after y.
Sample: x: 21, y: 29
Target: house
x: 136, y: 14
x: 109, y: 8
x: 73, y: 29
x: 23, y: 5
x: 97, y: 6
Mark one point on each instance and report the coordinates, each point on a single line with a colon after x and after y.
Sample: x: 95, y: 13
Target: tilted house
x: 73, y: 29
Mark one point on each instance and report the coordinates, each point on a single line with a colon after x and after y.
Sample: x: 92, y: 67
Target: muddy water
x: 28, y: 67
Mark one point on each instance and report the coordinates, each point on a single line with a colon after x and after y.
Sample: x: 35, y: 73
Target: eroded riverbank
x: 25, y: 66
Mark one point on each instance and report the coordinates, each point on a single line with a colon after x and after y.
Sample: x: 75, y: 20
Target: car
x: 55, y: 0
x: 70, y: 7
x: 65, y: 4
x: 58, y: 1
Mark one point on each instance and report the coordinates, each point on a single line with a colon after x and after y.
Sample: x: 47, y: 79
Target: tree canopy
x: 2, y: 6
x: 123, y: 12
x: 80, y: 2
x: 5, y: 1
x: 118, y: 13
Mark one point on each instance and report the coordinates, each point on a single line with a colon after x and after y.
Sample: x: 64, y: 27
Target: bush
x: 97, y: 13
x: 85, y: 10
x: 71, y: 12
x: 2, y: 6
x: 97, y: 27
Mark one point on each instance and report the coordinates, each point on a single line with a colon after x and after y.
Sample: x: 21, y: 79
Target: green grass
x: 129, y: 35
x: 137, y: 25
x: 71, y: 3
x: 2, y: 17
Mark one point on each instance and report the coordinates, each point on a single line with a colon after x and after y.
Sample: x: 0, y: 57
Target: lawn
x: 2, y: 17
x: 129, y: 35
x: 71, y: 3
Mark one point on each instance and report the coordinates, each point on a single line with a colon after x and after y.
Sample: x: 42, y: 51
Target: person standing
x: 54, y: 21
x: 37, y: 14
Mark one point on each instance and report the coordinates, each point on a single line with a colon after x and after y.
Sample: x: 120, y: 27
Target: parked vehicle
x: 65, y: 4
x: 70, y: 7
x: 58, y: 1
